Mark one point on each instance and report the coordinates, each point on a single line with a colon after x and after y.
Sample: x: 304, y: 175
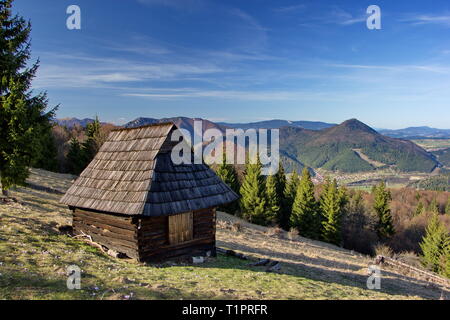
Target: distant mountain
x: 72, y: 122
x: 353, y: 146
x: 276, y: 124
x: 181, y: 122
x: 417, y: 133
x: 349, y: 147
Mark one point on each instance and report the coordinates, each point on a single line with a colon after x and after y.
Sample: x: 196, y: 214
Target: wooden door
x: 181, y: 228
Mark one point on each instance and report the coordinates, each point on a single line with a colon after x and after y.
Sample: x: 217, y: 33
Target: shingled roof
x: 133, y: 174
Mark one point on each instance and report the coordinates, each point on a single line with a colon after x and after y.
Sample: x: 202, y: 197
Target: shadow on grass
x: 392, y: 283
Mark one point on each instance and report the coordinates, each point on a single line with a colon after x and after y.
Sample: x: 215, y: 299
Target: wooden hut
x: 133, y: 199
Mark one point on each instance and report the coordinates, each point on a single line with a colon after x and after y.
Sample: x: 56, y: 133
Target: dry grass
x: 34, y: 256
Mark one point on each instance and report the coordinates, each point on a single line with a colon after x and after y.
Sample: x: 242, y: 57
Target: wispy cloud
x: 290, y: 9
x: 404, y: 68
x: 176, y: 4
x: 250, y: 21
x: 428, y: 19
x: 342, y: 17
x: 79, y: 70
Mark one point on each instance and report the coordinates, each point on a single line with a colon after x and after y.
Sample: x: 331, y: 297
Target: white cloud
x: 429, y: 19
x: 176, y: 4
x: 86, y: 71
x: 289, y: 9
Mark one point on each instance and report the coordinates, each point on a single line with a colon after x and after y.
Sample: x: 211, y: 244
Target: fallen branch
x: 83, y: 236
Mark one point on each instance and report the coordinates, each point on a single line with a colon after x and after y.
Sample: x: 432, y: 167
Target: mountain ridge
x: 351, y: 146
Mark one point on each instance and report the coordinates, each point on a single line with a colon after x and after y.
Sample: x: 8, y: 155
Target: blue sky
x: 241, y: 61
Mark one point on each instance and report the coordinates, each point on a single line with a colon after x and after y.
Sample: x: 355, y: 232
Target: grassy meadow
x: 34, y: 256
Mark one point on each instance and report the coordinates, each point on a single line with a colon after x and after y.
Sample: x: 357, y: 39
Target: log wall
x: 154, y: 242
x: 113, y: 231
x: 146, y: 238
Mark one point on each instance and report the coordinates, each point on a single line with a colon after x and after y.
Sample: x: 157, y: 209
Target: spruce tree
x: 305, y: 215
x: 434, y: 246
x: 45, y: 152
x: 385, y: 227
x: 282, y: 217
x: 228, y: 174
x: 289, y: 193
x: 75, y: 157
x: 21, y: 113
x: 253, y: 195
x: 446, y: 257
x: 272, y: 199
x: 280, y: 181
x: 434, y: 206
x: 93, y: 141
x: 332, y: 204
x: 420, y: 208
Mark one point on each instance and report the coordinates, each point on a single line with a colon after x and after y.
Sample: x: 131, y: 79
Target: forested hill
x: 349, y: 147
x: 353, y: 146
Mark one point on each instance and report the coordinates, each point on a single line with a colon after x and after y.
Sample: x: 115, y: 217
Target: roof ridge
x: 146, y: 126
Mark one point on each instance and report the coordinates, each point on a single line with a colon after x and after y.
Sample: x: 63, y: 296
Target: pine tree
x: 305, y: 215
x: 228, y: 174
x: 332, y: 204
x: 21, y: 113
x: 93, y: 141
x: 75, y: 157
x: 385, y: 227
x: 446, y: 257
x: 282, y: 217
x: 280, y: 181
x: 45, y: 150
x: 434, y: 206
x: 272, y: 199
x: 253, y: 201
x: 434, y: 246
x: 289, y: 193
x: 420, y: 208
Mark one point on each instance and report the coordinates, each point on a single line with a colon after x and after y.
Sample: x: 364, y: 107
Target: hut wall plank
x: 115, y: 232
x: 116, y: 221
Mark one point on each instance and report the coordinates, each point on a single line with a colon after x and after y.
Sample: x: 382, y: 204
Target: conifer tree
x: 289, y: 193
x: 332, y: 204
x: 280, y: 181
x: 282, y: 217
x: 434, y: 206
x: 253, y: 195
x: 385, y: 227
x: 21, y: 113
x: 228, y: 174
x: 273, y: 201
x: 420, y: 208
x: 446, y: 257
x: 75, y: 157
x: 45, y: 150
x: 305, y: 213
x: 93, y: 141
x: 435, y: 245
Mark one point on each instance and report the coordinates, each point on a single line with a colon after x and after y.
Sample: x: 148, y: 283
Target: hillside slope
x: 334, y: 149
x: 34, y: 256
